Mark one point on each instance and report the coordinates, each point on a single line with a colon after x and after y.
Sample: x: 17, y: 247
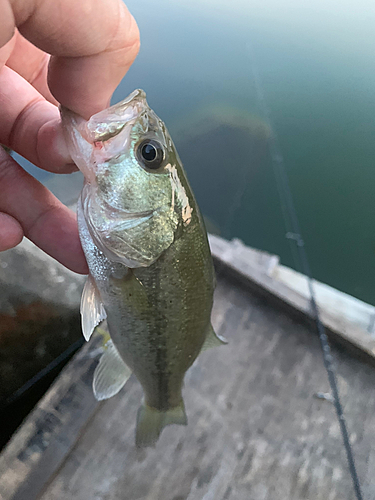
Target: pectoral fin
x: 92, y: 310
x: 212, y: 339
x: 111, y: 374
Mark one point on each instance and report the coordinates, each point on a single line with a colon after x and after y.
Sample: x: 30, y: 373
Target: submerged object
x: 151, y: 271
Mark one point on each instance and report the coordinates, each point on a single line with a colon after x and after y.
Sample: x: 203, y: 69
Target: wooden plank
x: 256, y: 430
x: 235, y: 250
x: 48, y: 433
x: 231, y: 262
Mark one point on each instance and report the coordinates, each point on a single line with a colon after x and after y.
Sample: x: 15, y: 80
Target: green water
x: 317, y: 65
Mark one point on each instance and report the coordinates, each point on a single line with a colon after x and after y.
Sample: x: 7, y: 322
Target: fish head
x: 136, y: 193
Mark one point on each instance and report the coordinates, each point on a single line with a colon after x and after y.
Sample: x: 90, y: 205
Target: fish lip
x: 83, y: 136
x: 124, y: 111
x: 136, y: 94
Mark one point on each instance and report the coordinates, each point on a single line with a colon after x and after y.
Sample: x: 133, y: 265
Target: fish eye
x: 150, y: 153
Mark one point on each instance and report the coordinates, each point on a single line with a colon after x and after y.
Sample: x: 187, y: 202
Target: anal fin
x: 111, y: 374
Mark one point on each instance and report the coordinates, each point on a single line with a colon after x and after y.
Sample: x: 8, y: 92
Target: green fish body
x: 151, y: 272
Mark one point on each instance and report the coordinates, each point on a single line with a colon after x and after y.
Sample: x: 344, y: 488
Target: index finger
x: 93, y: 44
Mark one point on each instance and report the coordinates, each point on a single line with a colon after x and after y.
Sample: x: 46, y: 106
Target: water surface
x: 317, y: 66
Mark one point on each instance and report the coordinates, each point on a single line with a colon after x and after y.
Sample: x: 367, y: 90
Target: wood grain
x: 46, y: 436
x: 256, y: 430
x: 238, y: 262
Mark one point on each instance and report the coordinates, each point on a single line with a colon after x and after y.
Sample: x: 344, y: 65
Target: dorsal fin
x: 92, y: 309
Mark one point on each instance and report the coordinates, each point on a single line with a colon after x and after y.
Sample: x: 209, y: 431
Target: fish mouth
x: 108, y: 122
x: 82, y: 136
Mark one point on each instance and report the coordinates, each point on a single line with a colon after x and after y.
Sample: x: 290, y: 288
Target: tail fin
x: 150, y: 423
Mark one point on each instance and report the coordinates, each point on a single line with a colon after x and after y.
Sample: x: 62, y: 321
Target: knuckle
x: 22, y: 122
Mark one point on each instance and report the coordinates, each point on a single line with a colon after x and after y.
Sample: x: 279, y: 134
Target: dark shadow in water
x: 32, y: 338
x: 226, y: 158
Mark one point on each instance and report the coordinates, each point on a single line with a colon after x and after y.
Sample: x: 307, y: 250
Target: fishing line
x: 294, y: 235
x: 42, y: 373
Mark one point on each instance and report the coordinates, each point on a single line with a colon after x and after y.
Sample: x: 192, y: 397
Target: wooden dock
x: 257, y: 427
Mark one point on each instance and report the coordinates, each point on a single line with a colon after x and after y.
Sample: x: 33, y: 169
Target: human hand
x: 92, y: 43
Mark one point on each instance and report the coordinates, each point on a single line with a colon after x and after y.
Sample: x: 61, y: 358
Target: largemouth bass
x: 151, y: 272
